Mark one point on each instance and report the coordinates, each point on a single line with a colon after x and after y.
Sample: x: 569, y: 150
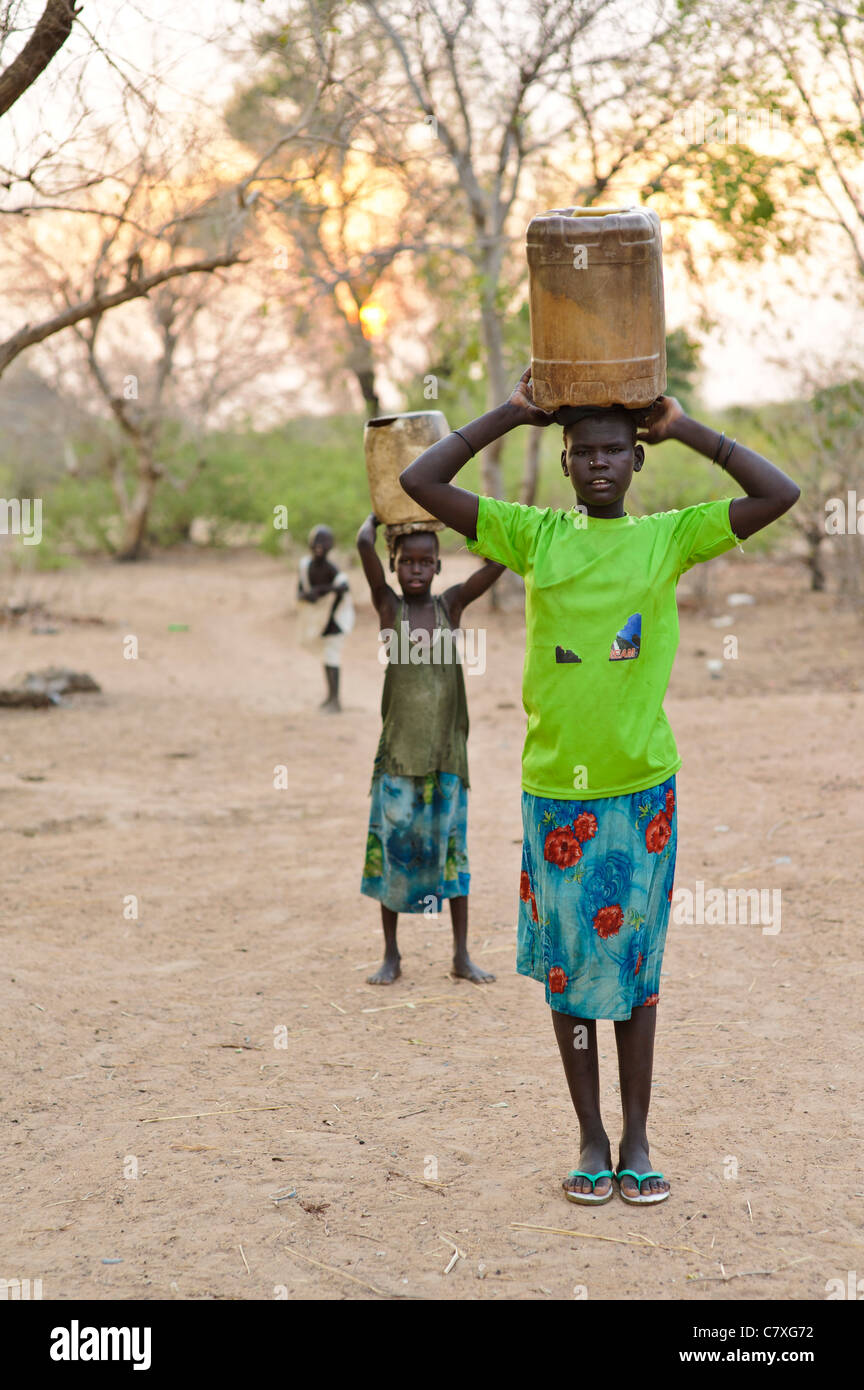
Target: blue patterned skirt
x: 416, y: 851
x: 595, y: 895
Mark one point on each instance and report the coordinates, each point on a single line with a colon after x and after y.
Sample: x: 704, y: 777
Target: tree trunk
x: 700, y: 584
x: 850, y: 568
x: 370, y: 395
x: 362, y: 364
x: 137, y: 514
x: 814, y: 561
x: 531, y: 472
x: 497, y: 385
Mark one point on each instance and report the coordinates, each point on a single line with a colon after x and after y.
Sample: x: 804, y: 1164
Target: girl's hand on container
x: 660, y: 420
x: 523, y: 397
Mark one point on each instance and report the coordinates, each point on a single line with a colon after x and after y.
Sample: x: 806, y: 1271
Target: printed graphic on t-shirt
x: 564, y: 656
x: 628, y: 641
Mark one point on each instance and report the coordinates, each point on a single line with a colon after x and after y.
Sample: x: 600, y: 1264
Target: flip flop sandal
x: 647, y: 1199
x: 589, y: 1199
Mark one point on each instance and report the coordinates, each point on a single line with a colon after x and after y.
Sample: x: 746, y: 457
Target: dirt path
x: 432, y: 1115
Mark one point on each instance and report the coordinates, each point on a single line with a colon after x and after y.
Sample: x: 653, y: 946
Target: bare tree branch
x: 49, y: 36
x: 99, y: 302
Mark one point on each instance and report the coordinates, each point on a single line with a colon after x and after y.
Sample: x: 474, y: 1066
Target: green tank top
x: 423, y: 707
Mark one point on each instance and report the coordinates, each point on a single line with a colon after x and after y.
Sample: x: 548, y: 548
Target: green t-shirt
x: 602, y: 631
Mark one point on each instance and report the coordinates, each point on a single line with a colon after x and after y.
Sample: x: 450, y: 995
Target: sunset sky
x: 201, y: 51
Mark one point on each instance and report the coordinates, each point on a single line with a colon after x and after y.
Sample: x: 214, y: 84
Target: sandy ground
x: 373, y: 1131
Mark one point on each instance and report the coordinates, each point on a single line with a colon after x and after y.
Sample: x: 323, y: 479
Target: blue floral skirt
x: 416, y: 851
x: 595, y: 894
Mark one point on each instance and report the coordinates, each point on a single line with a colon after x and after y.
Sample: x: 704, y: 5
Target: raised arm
x: 383, y: 597
x: 458, y: 596
x: 428, y: 478
x: 770, y: 492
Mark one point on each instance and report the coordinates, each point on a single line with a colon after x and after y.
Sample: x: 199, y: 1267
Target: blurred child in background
x: 319, y: 578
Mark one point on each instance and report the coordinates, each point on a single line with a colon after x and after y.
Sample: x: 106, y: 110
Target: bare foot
x: 594, y: 1157
x: 388, y: 971
x: 465, y: 969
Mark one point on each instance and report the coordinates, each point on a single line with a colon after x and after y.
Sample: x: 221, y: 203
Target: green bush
x: 314, y: 468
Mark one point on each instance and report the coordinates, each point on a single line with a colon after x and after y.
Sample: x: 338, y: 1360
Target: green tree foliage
x: 683, y: 364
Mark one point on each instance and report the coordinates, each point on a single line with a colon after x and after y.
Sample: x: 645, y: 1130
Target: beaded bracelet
x: 464, y: 441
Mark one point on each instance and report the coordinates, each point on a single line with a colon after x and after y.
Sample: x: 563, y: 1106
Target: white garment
x: 316, y: 615
x: 333, y: 648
